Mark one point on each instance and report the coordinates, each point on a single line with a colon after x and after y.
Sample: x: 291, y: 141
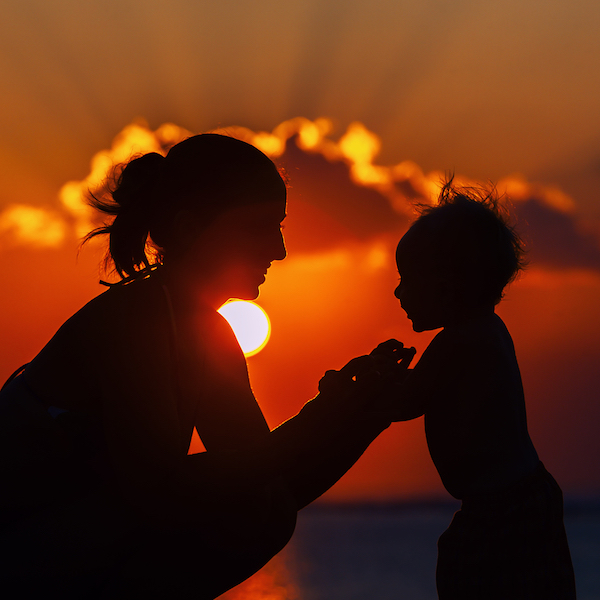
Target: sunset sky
x: 366, y: 106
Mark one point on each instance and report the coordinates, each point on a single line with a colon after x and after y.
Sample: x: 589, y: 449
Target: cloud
x: 342, y: 194
x: 326, y: 208
x: 338, y: 193
x: 350, y: 196
x: 32, y: 226
x: 23, y: 224
x: 547, y: 218
x: 556, y: 239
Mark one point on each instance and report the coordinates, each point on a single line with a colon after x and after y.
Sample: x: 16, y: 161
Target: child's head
x: 457, y: 258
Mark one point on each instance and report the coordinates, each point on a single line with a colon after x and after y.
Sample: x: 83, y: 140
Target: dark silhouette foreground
x: 507, y: 542
x: 99, y: 497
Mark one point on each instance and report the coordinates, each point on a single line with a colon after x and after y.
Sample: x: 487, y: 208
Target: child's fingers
x: 395, y: 352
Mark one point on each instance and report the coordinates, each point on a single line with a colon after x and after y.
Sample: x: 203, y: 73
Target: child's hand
x: 393, y: 359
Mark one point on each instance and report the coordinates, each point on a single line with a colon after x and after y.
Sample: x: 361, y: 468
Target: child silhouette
x: 508, y: 539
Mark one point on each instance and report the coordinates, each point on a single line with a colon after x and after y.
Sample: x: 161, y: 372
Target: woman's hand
x: 351, y: 386
x: 362, y: 369
x: 369, y: 383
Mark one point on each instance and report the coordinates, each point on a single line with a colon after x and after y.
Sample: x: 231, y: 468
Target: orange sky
x: 504, y: 91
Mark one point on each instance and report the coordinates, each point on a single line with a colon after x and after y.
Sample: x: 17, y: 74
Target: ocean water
x: 389, y: 552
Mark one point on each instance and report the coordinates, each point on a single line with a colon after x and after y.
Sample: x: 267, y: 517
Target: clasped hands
x: 369, y: 383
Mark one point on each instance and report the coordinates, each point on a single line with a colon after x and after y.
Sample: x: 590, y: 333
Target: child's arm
x: 412, y: 392
x: 393, y: 360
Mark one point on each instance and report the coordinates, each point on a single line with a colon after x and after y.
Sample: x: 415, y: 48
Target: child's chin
x: 421, y: 327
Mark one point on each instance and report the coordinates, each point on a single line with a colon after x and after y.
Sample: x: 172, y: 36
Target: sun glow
x: 250, y: 324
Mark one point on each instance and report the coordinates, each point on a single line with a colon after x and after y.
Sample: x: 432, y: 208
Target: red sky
x: 332, y: 299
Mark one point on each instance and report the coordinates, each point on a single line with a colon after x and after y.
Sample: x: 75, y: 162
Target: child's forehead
x: 411, y: 245
x: 414, y: 251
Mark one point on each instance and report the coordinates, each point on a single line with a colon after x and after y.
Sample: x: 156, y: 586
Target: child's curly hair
x: 469, y: 235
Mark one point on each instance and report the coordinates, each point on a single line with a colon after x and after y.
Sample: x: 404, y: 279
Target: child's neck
x: 469, y: 314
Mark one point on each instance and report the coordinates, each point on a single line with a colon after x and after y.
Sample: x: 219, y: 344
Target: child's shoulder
x: 481, y: 341
x: 471, y: 337
x: 479, y: 328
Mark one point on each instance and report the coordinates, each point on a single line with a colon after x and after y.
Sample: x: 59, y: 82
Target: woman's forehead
x: 267, y: 211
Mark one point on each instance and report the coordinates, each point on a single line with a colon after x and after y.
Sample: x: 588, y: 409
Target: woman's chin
x: 250, y: 292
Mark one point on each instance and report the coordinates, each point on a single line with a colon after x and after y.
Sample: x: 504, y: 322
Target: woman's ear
x: 184, y: 231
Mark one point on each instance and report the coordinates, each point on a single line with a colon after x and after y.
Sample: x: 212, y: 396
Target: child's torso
x: 477, y: 427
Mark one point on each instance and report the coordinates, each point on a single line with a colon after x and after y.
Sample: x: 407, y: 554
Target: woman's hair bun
x: 139, y: 182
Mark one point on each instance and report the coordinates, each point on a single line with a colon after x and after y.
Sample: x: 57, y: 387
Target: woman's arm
x: 312, y: 450
x: 316, y: 448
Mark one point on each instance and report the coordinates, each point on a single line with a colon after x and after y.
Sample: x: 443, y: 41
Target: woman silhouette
x: 101, y: 498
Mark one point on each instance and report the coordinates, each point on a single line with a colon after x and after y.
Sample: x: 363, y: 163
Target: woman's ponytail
x: 135, y: 205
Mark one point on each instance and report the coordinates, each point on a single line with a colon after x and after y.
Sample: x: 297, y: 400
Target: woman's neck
x: 189, y: 291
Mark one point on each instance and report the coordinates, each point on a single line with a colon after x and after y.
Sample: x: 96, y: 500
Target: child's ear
x: 448, y: 292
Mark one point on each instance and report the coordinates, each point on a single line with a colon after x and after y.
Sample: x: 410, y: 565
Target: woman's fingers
x: 405, y: 357
x: 359, y: 366
x: 388, y: 347
x: 361, y: 369
x: 331, y: 381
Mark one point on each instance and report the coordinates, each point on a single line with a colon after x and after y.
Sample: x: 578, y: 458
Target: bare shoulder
x: 480, y: 334
x: 445, y: 351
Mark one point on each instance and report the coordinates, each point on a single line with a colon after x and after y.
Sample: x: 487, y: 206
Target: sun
x: 250, y: 324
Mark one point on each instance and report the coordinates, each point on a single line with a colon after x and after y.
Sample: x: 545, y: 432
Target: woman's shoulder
x: 122, y: 304
x: 108, y: 324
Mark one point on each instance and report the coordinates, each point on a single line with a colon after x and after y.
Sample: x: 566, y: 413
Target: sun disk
x: 250, y: 324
